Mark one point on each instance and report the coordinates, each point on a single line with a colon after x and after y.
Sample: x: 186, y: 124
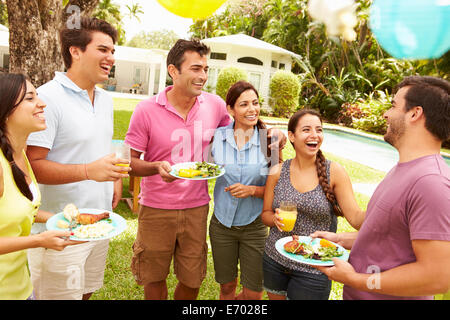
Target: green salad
x: 319, y: 252
x: 208, y: 169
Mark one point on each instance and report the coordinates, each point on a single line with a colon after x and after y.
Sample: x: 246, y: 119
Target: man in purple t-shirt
x: 402, y: 250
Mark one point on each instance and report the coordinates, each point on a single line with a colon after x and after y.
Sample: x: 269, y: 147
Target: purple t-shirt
x: 157, y: 129
x: 411, y: 203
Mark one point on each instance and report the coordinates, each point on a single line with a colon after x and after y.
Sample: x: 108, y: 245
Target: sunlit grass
x: 124, y: 104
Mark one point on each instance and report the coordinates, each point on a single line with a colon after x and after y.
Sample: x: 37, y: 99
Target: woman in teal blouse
x: 236, y: 231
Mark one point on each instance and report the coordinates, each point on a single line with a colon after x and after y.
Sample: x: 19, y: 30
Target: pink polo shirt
x: 158, y: 130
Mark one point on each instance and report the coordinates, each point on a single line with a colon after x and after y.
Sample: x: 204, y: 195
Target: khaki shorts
x: 163, y: 234
x: 242, y: 245
x: 68, y: 274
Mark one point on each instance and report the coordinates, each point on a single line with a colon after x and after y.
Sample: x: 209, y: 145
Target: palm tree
x: 134, y: 10
x: 288, y: 25
x: 109, y: 11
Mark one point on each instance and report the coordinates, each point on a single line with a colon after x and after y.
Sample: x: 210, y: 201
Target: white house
x: 140, y: 66
x: 4, y: 47
x: 260, y: 59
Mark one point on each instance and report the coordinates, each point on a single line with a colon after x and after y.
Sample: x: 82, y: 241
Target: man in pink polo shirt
x: 402, y: 250
x: 174, y: 126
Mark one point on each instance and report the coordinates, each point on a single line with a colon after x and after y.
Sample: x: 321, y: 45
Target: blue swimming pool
x: 372, y: 152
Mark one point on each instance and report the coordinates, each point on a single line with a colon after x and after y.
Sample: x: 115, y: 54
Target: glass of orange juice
x: 122, y: 151
x: 288, y: 212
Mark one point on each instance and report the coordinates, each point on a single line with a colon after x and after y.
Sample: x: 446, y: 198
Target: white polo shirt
x: 77, y: 133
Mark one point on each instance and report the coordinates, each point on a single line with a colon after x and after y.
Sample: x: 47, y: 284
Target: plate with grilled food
x: 87, y: 224
x: 306, y: 250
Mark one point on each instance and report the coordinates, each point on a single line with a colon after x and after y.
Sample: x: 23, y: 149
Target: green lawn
x: 125, y: 104
x: 119, y: 283
x: 123, y: 108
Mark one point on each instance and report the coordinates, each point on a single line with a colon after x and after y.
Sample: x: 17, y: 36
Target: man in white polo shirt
x: 72, y: 158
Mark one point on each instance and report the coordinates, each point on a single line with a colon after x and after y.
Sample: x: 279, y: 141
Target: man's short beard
x: 395, y: 132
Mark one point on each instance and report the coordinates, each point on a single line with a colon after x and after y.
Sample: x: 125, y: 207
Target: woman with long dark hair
x: 321, y: 190
x: 236, y: 231
x: 21, y: 112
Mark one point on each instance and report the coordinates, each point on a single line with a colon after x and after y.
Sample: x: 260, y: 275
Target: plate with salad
x: 197, y: 170
x: 314, y: 252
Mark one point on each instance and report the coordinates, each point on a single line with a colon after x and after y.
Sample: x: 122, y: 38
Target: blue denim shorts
x: 295, y: 285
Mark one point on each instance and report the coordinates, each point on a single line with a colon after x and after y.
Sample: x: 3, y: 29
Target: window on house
x: 218, y: 56
x: 6, y: 61
x: 112, y: 73
x: 282, y: 66
x: 250, y: 60
x: 212, y: 79
x: 138, y: 76
x: 156, y: 83
x: 255, y: 79
x: 274, y: 64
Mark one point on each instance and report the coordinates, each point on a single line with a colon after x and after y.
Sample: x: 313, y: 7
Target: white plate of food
x: 89, y: 224
x: 197, y: 170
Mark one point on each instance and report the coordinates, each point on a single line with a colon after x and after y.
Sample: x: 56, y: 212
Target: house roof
x: 139, y: 54
x: 249, y: 42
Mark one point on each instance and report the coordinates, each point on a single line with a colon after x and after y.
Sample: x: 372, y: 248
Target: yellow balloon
x: 195, y: 9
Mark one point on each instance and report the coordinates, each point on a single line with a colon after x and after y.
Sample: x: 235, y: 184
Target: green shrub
x: 372, y: 110
x: 349, y: 112
x: 227, y: 77
x: 284, y: 93
x: 342, y: 92
x: 386, y: 73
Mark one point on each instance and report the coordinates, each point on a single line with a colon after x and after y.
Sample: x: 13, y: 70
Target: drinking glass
x: 122, y: 151
x: 288, y: 213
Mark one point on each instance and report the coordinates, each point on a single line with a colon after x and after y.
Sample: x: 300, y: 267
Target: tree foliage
x: 245, y: 16
x: 162, y: 39
x: 332, y: 71
x: 109, y: 11
x: 3, y: 13
x: 134, y: 10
